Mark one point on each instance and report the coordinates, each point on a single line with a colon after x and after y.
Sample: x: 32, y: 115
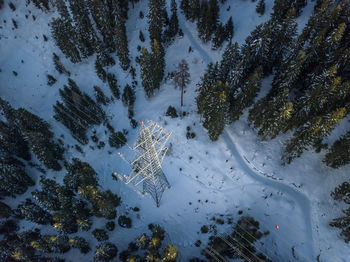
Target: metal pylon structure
x: 146, y: 162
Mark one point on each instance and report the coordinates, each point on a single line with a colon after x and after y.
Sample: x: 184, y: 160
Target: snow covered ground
x: 238, y: 172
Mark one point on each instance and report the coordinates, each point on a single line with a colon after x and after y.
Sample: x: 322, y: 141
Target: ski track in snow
x: 302, y: 201
x: 299, y: 197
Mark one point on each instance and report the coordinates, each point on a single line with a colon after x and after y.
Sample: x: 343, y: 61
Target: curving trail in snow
x: 300, y: 199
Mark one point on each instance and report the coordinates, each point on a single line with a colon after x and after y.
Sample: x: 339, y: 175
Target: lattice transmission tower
x: 146, y: 166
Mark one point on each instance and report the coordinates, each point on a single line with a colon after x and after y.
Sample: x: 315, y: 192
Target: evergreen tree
x: 128, y: 96
x: 194, y: 10
x: 339, y: 153
x: 100, y: 96
x: 117, y: 139
x: 230, y: 59
x: 215, y: 110
x: 103, y: 203
x: 229, y: 29
x: 311, y: 133
x: 59, y: 66
x: 113, y: 85
x: 121, y: 42
x: 60, y: 31
x: 79, y: 174
x: 219, y: 36
x: 86, y: 36
x: 182, y: 77
x: 13, y: 178
x: 157, y: 63
x: 185, y: 7
x: 33, y: 212
x: 260, y: 7
x: 272, y: 116
x: 244, y: 97
x: 173, y: 27
x: 5, y: 210
x: 105, y: 252
x: 209, y: 79
x: 80, y: 243
x: 156, y: 19
x: 146, y: 72
x: 100, y: 234
x: 101, y: 13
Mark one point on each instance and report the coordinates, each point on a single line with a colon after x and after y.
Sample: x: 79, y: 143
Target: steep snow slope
x: 206, y: 180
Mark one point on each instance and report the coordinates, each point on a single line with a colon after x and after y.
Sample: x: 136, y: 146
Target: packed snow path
x: 301, y: 200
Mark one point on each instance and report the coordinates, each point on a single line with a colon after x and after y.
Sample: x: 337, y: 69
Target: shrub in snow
x: 5, y: 210
x: 105, y: 252
x: 80, y: 243
x: 100, y: 234
x: 117, y: 139
x: 12, y: 6
x: 204, y: 229
x: 171, y: 112
x: 51, y: 80
x: 124, y: 221
x: 110, y: 225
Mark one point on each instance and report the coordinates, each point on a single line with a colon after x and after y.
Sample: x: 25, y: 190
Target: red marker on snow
x: 141, y: 122
x: 44, y: 57
x: 277, y: 227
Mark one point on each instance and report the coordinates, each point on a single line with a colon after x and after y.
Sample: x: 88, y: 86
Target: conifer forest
x: 175, y: 130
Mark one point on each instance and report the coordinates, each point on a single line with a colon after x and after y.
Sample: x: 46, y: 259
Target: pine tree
x: 339, y: 153
x: 146, y: 72
x: 244, y: 96
x: 100, y: 96
x: 101, y: 73
x: 79, y: 174
x: 121, y: 42
x: 80, y: 243
x: 209, y: 79
x: 59, y: 66
x: 157, y: 63
x: 170, y: 253
x: 173, y: 27
x: 105, y: 252
x: 13, y: 178
x: 219, y: 36
x: 156, y: 19
x: 230, y: 59
x: 101, y: 14
x: 272, y: 116
x: 194, y: 10
x: 128, y: 96
x: 215, y: 110
x: 86, y: 35
x: 309, y: 134
x: 185, y: 7
x: 229, y: 29
x: 182, y: 77
x: 113, y: 85
x: 60, y: 31
x: 33, y: 212
x: 260, y: 7
x: 100, y: 234
x: 5, y: 210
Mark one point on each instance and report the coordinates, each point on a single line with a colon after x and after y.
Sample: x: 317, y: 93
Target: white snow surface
x: 238, y: 172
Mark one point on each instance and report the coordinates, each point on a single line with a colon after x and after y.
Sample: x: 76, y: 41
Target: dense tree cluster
x: 309, y: 93
x: 206, y: 15
x: 150, y: 245
x: 77, y: 38
x: 240, y: 243
x: 78, y: 111
x: 342, y: 193
x: 24, y: 132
